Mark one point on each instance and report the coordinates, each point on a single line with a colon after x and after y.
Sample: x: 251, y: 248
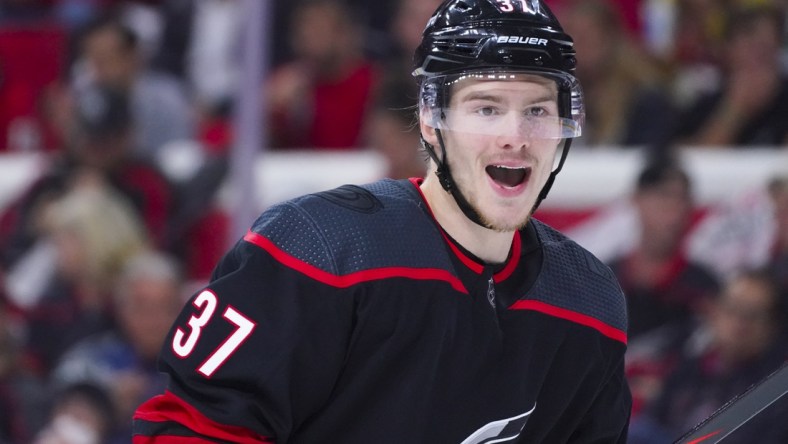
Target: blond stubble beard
x: 498, y: 228
x: 487, y: 223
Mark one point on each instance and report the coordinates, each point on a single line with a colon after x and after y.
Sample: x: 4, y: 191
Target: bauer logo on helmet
x: 521, y: 40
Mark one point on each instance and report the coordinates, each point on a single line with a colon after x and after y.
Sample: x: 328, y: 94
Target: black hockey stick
x: 739, y: 410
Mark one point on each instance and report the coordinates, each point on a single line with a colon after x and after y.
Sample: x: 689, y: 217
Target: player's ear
x: 427, y: 127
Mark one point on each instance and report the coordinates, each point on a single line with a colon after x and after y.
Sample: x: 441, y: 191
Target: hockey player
x: 430, y: 310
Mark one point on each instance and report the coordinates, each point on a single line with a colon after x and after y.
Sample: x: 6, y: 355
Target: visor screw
x: 506, y: 57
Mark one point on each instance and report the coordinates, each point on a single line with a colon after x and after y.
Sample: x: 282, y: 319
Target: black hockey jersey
x: 349, y: 316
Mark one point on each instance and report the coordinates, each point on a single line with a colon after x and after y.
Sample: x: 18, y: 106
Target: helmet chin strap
x: 446, y: 181
x: 549, y: 184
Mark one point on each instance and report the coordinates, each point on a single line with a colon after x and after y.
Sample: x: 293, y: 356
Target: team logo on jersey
x: 354, y: 198
x: 500, y: 431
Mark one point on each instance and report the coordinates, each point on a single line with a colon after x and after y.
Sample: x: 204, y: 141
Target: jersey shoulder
x: 574, y: 279
x: 355, y: 227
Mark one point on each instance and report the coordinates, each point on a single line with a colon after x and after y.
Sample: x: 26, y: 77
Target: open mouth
x: 508, y: 177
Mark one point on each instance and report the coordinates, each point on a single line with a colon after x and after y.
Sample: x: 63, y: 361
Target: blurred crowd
x: 132, y: 102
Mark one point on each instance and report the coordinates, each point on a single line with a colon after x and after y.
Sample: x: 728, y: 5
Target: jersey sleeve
x: 252, y: 355
x: 608, y: 418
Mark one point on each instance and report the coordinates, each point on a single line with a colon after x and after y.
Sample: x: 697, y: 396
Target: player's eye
x: 536, y: 111
x: 486, y: 111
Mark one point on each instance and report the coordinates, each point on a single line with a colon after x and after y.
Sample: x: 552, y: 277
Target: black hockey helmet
x: 465, y: 35
x: 468, y: 37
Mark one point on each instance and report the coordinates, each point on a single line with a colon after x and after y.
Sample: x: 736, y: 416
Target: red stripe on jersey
x: 470, y: 263
x: 347, y: 280
x: 513, y: 261
x: 573, y: 316
x: 170, y: 408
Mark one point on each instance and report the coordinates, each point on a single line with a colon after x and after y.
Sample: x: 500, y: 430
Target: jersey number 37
x: 183, y: 342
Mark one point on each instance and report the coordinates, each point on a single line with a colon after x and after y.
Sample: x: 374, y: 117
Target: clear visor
x: 500, y: 103
x: 495, y: 121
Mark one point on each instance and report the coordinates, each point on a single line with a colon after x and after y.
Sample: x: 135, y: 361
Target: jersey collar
x: 504, y: 270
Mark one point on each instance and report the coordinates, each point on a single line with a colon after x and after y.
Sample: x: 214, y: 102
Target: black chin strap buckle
x: 444, y: 179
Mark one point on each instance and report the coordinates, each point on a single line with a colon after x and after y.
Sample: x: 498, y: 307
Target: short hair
x: 344, y: 13
x: 659, y: 171
x: 767, y: 277
x: 95, y: 395
x: 742, y: 18
x: 128, y: 38
x: 108, y: 227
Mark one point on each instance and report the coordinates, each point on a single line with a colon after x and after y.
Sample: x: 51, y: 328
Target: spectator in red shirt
x: 321, y: 97
x: 661, y: 284
x: 665, y: 291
